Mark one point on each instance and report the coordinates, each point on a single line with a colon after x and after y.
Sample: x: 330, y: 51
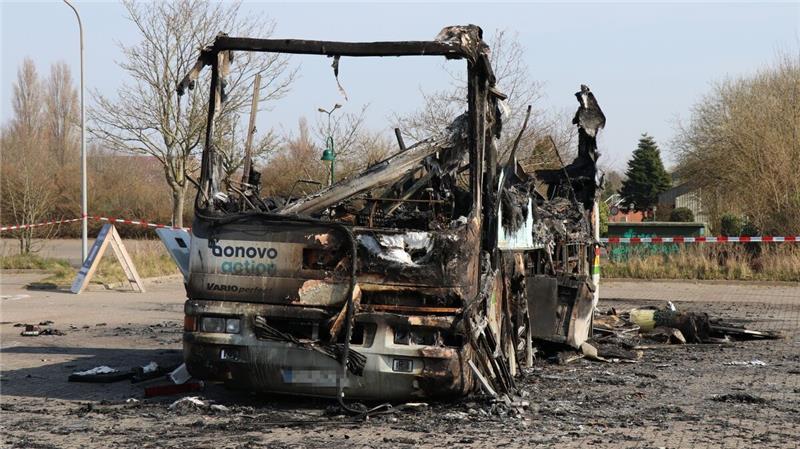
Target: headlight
x: 212, y: 324
x: 220, y: 325
x: 232, y: 325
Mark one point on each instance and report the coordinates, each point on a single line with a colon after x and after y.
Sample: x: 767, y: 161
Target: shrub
x: 681, y: 214
x: 603, y: 208
x: 730, y: 224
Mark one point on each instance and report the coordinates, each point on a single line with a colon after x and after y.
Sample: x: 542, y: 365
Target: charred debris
x: 469, y: 258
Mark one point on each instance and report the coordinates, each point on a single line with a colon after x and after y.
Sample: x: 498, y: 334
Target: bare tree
x: 61, y: 113
x: 370, y: 148
x: 230, y: 137
x: 297, y: 155
x: 27, y: 193
x: 513, y: 79
x: 28, y: 197
x: 741, y: 148
x: 61, y: 137
x: 147, y: 118
x: 297, y: 160
x: 345, y: 128
x: 613, y: 182
x: 26, y: 101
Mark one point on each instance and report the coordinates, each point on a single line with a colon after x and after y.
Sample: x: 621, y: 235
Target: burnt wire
x: 349, y: 327
x: 564, y: 169
x: 355, y: 361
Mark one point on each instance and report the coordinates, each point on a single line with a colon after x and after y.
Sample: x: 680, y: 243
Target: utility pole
x: 251, y: 128
x: 84, y: 208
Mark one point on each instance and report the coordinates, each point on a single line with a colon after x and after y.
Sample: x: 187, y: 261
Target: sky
x: 647, y: 63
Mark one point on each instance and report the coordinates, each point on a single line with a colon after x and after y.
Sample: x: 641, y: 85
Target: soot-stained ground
x: 675, y: 396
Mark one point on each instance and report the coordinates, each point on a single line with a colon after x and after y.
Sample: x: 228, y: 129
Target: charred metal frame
x: 479, y: 74
x: 486, y: 274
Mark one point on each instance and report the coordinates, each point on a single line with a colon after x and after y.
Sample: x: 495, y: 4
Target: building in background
x: 618, y: 213
x: 686, y: 195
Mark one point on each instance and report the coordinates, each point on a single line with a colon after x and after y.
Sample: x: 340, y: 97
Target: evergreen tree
x: 646, y: 176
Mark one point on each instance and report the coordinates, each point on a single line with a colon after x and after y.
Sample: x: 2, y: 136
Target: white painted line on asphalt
x: 13, y: 297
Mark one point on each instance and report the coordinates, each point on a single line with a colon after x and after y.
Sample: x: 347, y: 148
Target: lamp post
x: 84, y: 213
x: 329, y: 155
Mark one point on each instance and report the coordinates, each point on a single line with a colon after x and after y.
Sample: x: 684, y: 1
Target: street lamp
x: 329, y: 155
x: 84, y: 213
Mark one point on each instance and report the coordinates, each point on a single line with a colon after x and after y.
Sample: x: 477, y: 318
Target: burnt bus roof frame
x: 479, y: 73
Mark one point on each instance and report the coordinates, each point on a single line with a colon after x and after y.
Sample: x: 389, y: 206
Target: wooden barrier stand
x: 108, y: 235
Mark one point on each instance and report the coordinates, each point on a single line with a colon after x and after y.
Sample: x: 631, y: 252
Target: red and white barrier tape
x: 717, y: 239
x: 142, y: 223
x: 44, y: 223
x: 633, y: 240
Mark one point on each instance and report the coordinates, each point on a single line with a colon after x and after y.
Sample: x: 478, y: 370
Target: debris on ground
x: 745, y: 398
x: 412, y: 406
x: 188, y: 404
x: 149, y: 368
x: 598, y: 350
x: 96, y: 370
x: 617, y: 336
x: 193, y: 404
x: 668, y: 325
x: 180, y: 375
x: 151, y: 371
x: 30, y: 331
x: 100, y: 374
x: 754, y: 362
x: 667, y: 335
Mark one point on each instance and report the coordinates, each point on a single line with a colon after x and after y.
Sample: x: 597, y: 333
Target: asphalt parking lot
x: 687, y: 396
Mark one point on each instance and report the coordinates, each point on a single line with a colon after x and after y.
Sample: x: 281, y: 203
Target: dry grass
x: 34, y: 262
x: 149, y: 256
x: 778, y: 262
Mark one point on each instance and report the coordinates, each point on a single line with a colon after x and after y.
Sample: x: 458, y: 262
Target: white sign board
x: 108, y: 236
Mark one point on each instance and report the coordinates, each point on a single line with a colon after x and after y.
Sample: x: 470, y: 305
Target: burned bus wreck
x: 431, y: 273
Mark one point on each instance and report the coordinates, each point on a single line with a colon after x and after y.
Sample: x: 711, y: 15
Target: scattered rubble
x: 180, y: 375
x: 151, y: 371
x: 754, y: 362
x: 745, y: 398
x: 100, y: 374
x: 32, y: 330
x: 192, y: 404
x: 668, y: 325
x: 96, y: 370
x: 618, y: 336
